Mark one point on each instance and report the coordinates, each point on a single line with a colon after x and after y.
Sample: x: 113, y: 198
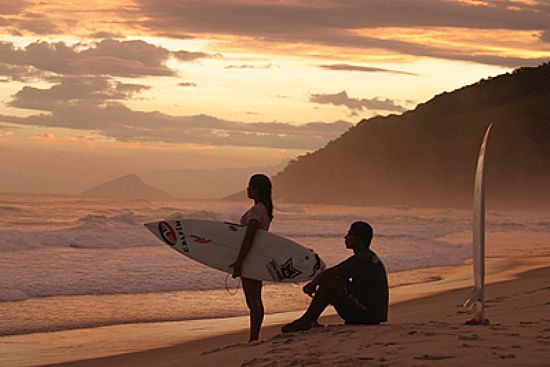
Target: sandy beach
x: 426, y: 328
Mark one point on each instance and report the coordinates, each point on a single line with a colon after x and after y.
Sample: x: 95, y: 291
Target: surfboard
x: 476, y: 300
x: 216, y: 244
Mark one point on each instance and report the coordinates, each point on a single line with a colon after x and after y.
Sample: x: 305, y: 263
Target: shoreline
x: 103, y: 344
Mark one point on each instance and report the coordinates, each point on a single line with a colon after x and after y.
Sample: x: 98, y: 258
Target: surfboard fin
x: 473, y: 299
x: 473, y: 305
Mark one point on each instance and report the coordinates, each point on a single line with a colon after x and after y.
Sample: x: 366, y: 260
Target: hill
x: 126, y: 187
x: 427, y: 156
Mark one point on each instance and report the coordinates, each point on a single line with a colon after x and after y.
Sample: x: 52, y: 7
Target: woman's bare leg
x: 253, y: 293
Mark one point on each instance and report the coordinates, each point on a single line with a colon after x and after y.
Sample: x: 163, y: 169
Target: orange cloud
x: 83, y: 140
x: 336, y: 24
x: 44, y: 138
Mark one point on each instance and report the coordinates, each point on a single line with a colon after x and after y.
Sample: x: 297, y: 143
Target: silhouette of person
x: 357, y: 287
x: 259, y: 216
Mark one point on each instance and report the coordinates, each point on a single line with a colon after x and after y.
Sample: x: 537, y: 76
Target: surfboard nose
x: 153, y: 227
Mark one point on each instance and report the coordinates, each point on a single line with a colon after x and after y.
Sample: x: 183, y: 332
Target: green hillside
x: 427, y: 157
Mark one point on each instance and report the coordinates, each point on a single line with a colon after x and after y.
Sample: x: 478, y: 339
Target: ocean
x: 72, y: 262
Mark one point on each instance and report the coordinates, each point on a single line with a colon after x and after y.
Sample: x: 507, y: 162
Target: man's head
x: 359, y: 235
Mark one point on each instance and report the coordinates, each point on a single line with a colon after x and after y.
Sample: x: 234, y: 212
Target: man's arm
x: 343, y: 270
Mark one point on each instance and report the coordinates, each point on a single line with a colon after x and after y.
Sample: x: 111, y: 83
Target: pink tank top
x: 258, y: 212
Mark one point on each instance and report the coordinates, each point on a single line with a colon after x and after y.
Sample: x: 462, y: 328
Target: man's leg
x: 329, y: 290
x: 352, y: 311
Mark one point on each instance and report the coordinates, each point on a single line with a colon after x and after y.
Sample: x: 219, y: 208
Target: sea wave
x: 134, y: 236
x: 98, y: 220
x: 9, y: 209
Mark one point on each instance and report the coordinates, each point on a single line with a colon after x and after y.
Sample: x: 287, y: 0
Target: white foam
x: 97, y: 247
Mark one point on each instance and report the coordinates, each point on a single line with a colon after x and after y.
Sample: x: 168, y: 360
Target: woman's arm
x: 252, y: 227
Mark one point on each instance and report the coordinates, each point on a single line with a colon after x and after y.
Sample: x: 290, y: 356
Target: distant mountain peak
x: 129, y: 186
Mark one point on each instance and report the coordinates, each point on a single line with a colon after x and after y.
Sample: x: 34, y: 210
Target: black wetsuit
x: 366, y: 298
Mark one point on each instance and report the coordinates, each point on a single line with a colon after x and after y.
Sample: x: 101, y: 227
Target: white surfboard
x: 217, y: 245
x: 476, y: 300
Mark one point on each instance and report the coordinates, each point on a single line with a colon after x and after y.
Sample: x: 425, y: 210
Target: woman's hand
x: 237, y: 268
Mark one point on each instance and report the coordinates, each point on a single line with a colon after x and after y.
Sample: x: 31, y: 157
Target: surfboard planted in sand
x: 476, y: 301
x: 217, y: 245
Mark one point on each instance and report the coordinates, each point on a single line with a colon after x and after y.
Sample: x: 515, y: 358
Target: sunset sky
x: 91, y: 90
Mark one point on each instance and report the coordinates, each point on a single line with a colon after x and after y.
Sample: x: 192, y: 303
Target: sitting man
x: 361, y: 300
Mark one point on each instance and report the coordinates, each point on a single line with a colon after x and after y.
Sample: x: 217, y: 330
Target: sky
x: 93, y: 90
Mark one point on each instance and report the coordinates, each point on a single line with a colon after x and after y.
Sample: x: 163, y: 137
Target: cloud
x: 249, y: 66
x: 354, y: 104
x: 4, y: 133
x: 105, y: 34
x: 90, y: 91
x: 187, y: 84
x: 94, y: 104
x: 45, y: 138
x: 18, y: 16
x: 336, y: 23
x: 36, y: 24
x: 8, y: 7
x: 134, y: 58
x: 267, y: 17
x: 17, y: 72
x: 367, y: 69
x: 545, y: 36
x: 190, y: 56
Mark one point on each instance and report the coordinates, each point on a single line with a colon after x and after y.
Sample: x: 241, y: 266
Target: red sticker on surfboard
x: 199, y: 239
x: 167, y: 233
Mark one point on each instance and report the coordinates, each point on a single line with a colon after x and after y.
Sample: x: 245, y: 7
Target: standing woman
x: 257, y: 217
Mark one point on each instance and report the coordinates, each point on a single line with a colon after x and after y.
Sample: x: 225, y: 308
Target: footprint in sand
x: 433, y: 357
x: 254, y: 362
x: 497, y: 299
x: 343, y: 332
x: 231, y: 346
x: 528, y: 322
x: 504, y: 355
x: 277, y: 350
x: 497, y: 328
x: 354, y: 361
x: 469, y: 337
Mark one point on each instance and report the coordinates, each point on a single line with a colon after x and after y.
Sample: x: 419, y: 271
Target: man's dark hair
x: 364, y: 231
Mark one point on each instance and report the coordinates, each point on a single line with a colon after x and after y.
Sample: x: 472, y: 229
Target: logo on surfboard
x: 198, y: 239
x: 286, y: 271
x: 167, y: 233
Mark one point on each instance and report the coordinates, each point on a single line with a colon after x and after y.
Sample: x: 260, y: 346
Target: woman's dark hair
x: 262, y: 187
